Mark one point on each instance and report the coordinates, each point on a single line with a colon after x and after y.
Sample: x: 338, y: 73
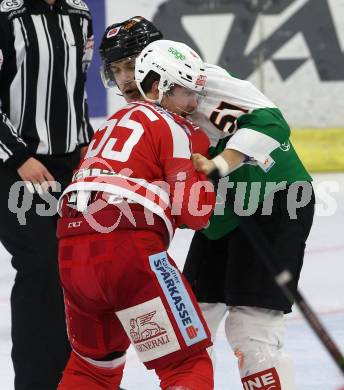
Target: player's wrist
x: 221, y: 164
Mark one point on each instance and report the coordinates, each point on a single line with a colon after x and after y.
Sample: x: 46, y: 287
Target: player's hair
x: 147, y: 83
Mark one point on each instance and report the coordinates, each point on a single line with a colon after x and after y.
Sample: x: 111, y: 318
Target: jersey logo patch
x: 10, y: 5
x: 143, y: 327
x: 113, y: 32
x: 79, y: 4
x: 285, y: 146
x: 149, y: 329
x: 267, y: 164
x: 264, y: 380
x: 182, y: 308
x: 201, y: 80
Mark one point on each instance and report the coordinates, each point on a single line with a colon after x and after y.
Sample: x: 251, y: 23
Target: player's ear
x: 155, y: 88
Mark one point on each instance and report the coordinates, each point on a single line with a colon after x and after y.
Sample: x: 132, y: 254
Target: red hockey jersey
x: 142, y: 154
x: 199, y: 140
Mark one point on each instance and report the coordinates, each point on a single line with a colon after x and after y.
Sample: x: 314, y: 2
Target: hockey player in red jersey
x: 135, y: 185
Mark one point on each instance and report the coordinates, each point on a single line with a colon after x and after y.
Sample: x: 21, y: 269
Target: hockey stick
x: 283, y: 278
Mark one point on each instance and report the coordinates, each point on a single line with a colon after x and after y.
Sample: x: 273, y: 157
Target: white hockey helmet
x: 175, y: 63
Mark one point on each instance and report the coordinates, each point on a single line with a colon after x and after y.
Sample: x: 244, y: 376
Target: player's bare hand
x: 202, y: 164
x: 36, y: 175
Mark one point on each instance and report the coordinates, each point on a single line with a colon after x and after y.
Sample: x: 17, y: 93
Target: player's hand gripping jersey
x: 236, y: 115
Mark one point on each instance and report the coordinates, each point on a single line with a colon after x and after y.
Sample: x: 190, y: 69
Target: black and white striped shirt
x: 44, y: 54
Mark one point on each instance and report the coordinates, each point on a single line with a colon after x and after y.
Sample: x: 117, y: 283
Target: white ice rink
x: 322, y: 282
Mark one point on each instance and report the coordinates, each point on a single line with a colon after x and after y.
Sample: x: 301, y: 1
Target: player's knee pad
x: 213, y: 314
x: 256, y: 336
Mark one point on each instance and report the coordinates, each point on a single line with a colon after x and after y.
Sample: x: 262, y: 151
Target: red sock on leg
x: 193, y: 373
x: 80, y: 375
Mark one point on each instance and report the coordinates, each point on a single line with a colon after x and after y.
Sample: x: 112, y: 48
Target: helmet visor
x: 118, y: 72
x: 184, y: 99
x: 107, y: 77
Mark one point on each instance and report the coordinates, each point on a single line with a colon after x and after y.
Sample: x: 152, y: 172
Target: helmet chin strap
x: 118, y: 92
x: 161, y: 95
x: 184, y: 112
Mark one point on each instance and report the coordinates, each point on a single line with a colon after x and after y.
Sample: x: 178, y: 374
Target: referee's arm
x: 13, y: 150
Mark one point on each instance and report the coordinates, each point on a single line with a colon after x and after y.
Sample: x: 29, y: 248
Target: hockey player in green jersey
x: 254, y: 153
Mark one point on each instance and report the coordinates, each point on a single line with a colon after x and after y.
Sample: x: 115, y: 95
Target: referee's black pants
x: 40, y: 345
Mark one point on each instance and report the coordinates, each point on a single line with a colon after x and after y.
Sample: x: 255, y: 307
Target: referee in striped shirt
x: 45, y: 49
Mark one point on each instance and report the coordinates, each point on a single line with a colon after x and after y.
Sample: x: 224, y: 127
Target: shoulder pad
x: 11, y: 5
x: 78, y: 4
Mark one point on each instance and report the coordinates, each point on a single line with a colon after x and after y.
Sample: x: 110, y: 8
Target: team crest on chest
x: 285, y: 146
x: 10, y: 5
x: 79, y: 4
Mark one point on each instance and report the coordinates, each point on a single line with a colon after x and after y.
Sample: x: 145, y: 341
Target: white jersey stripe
x: 66, y: 65
x: 16, y: 92
x: 181, y: 143
x: 96, y: 173
x: 5, y: 153
x: 12, y: 129
x: 252, y: 143
x: 50, y: 79
x: 71, y: 80
x: 152, y: 206
x: 24, y: 78
x: 42, y: 85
